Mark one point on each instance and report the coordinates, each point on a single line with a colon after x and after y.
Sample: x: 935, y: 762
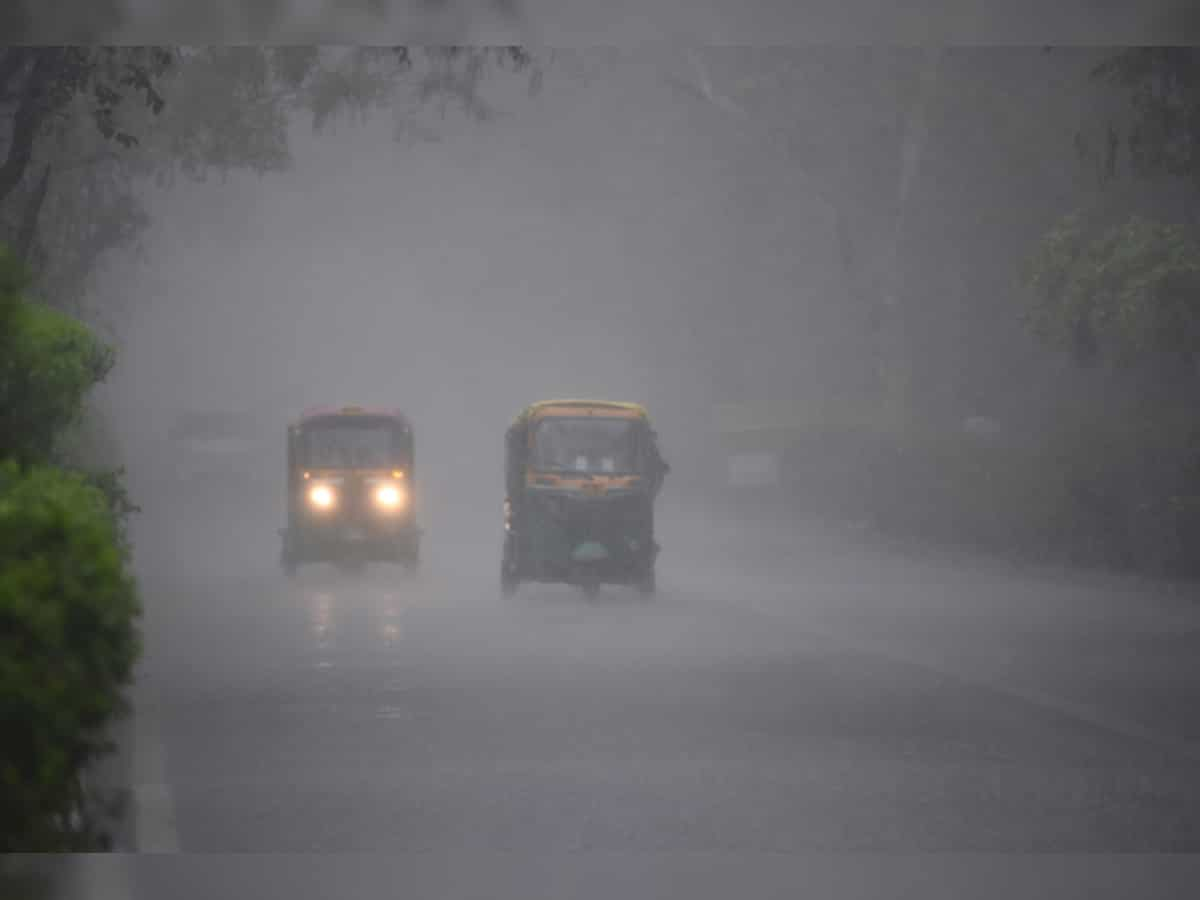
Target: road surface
x: 795, y: 707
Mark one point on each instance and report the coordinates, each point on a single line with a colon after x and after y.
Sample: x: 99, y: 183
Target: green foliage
x: 68, y: 643
x: 1127, y: 485
x: 198, y: 112
x: 230, y: 108
x: 106, y: 78
x: 1110, y: 488
x: 121, y: 508
x: 51, y: 87
x: 68, y: 609
x: 1158, y: 132
x: 1120, y: 291
x: 1127, y: 294
x: 48, y: 363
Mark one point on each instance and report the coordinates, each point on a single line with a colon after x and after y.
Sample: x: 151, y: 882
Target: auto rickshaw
x: 581, y: 479
x: 350, y: 489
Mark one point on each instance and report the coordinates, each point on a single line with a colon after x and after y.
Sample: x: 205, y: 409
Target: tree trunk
x: 31, y: 110
x: 33, y: 208
x: 11, y: 63
x: 895, y: 355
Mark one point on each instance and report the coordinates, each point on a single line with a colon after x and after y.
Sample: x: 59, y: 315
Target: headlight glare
x: 390, y: 497
x: 321, y: 496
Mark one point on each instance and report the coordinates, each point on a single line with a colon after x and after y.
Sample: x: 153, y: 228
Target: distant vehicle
x: 350, y: 489
x: 582, y: 477
x: 215, y: 448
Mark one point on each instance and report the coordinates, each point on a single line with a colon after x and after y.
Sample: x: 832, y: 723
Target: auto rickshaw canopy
x: 609, y: 408
x: 325, y: 412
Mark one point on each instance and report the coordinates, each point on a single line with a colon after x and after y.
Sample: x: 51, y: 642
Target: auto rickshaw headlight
x: 390, y: 496
x: 321, y: 496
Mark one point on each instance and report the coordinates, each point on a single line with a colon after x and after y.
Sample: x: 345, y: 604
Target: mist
x: 922, y: 570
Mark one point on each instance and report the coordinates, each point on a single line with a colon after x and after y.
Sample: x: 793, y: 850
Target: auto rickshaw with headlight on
x: 350, y: 489
x: 582, y: 478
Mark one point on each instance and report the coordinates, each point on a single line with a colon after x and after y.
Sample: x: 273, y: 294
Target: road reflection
x: 321, y: 606
x: 387, y: 608
x: 354, y: 618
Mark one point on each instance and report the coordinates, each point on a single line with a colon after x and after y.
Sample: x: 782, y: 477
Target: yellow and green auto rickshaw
x: 350, y: 489
x: 581, y: 479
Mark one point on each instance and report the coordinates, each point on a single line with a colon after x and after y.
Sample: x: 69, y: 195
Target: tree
x: 43, y: 83
x: 1116, y: 284
x: 206, y: 111
x: 1125, y: 294
x: 829, y: 115
x: 68, y: 643
x: 68, y: 608
x: 48, y: 363
x: 1156, y: 130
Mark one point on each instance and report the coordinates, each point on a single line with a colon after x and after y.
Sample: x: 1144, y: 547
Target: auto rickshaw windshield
x: 594, y: 446
x: 351, y: 444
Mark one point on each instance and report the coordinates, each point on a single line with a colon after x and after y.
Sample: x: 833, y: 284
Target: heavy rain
x: 482, y: 449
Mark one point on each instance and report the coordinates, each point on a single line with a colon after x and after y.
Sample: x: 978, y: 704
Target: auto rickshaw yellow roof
x: 574, y: 407
x: 326, y: 412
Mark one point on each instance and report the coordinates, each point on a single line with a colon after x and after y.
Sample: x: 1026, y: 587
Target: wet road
x: 789, y: 693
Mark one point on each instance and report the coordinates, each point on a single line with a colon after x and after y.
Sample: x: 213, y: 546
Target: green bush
x: 954, y: 488
x: 68, y: 643
x: 48, y: 363
x: 1108, y: 487
x: 1122, y: 293
x: 1129, y: 490
x: 45, y: 374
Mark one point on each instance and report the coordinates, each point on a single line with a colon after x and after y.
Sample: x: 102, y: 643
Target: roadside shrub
x: 68, y: 643
x: 1117, y: 489
x: 48, y: 365
x: 1129, y: 490
x: 90, y: 447
x: 956, y: 489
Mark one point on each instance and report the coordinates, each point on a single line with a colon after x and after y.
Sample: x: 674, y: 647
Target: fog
x: 564, y: 249
x: 875, y: 648
x: 619, y: 234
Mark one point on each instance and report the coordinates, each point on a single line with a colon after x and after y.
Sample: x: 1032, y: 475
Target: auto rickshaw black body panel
x: 581, y: 481
x: 350, y: 489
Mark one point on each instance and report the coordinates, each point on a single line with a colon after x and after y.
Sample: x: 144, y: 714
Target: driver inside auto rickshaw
x: 592, y: 447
